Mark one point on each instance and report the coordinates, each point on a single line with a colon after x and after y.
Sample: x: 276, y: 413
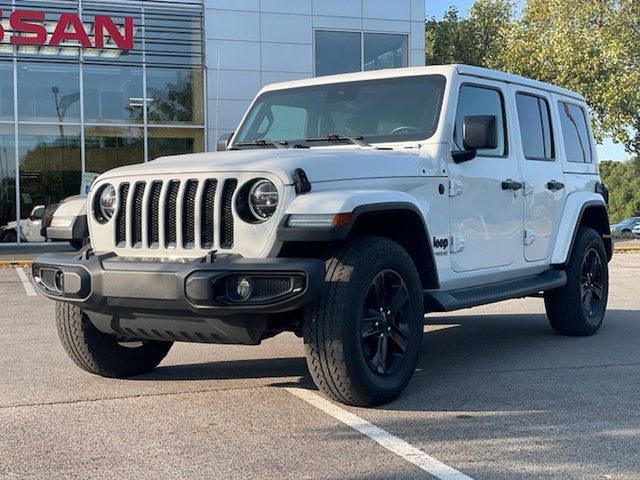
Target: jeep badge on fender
x: 338, y: 227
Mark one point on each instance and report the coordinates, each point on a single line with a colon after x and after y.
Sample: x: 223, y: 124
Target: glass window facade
x: 95, y: 95
x: 344, y: 52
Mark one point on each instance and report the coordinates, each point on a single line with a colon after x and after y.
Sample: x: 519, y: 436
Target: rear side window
x: 535, y: 127
x: 577, y: 144
x: 476, y: 100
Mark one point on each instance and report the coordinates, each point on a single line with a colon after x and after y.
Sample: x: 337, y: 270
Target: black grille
x: 170, y: 215
x: 121, y: 217
x: 226, y: 225
x: 207, y: 213
x: 161, y: 213
x: 189, y: 214
x: 136, y: 221
x: 153, y: 223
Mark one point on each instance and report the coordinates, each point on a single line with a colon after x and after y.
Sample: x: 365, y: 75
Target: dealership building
x: 87, y: 85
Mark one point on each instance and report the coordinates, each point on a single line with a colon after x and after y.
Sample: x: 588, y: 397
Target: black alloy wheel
x: 385, y: 323
x: 592, y: 284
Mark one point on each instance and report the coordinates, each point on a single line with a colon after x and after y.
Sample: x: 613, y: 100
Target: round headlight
x: 107, y: 202
x: 263, y: 199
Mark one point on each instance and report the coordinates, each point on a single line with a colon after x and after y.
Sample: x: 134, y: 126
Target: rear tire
x: 578, y: 308
x: 363, y: 335
x: 101, y: 354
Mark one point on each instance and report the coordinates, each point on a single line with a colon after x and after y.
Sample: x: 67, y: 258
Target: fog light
x: 239, y: 289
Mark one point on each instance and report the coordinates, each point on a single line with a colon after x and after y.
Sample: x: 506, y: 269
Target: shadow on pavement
x: 467, y: 361
x: 235, y: 369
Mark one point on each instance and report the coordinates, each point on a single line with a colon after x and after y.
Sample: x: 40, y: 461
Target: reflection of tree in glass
x: 174, y: 103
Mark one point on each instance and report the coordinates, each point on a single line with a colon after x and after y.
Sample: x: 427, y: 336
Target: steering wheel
x: 407, y: 128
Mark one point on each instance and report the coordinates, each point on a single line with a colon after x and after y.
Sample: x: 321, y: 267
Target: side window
x: 577, y: 143
x: 476, y: 100
x: 284, y: 122
x: 535, y: 127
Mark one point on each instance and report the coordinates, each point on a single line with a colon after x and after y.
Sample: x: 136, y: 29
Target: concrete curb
x: 15, y: 263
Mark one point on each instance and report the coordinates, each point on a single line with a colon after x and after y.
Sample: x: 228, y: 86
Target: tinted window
x: 389, y: 110
x: 338, y: 52
x: 535, y: 127
x: 474, y: 100
x: 577, y: 143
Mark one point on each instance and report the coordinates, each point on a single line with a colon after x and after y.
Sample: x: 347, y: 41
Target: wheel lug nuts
x: 382, y: 334
x: 376, y: 324
x: 388, y: 329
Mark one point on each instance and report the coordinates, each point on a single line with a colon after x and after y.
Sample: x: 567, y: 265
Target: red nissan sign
x: 29, y: 29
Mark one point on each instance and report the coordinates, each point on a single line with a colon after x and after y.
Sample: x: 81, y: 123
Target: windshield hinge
x: 300, y: 181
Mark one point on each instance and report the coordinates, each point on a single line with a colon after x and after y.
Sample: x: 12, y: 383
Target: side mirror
x: 223, y: 142
x: 480, y: 132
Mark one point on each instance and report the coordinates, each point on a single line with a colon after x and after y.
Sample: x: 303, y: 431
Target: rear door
x: 544, y: 189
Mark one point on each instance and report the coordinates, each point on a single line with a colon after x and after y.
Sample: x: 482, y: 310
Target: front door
x: 544, y: 190
x: 486, y: 194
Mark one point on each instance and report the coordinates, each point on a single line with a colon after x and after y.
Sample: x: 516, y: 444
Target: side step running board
x: 438, y: 301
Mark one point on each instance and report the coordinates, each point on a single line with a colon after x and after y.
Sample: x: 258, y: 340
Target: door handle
x: 554, y: 185
x: 511, y: 185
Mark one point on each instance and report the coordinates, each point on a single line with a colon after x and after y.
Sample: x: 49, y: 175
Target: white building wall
x: 251, y: 43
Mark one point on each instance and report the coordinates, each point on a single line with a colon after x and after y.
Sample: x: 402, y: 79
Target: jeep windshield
x: 363, y: 112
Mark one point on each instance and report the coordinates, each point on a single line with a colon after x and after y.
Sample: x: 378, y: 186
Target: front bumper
x: 105, y: 281
x: 137, y: 296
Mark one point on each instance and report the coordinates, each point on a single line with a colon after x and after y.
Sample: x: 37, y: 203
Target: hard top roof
x: 447, y: 70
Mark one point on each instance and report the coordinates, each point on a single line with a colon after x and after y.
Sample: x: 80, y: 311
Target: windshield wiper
x: 264, y: 143
x: 339, y: 138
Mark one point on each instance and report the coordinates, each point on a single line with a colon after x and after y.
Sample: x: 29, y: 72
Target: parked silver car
x: 626, y: 226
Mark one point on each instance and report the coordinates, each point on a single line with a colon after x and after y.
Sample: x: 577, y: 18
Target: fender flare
x: 359, y: 204
x: 573, y: 213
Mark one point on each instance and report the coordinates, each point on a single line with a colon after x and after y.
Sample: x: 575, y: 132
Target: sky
x: 436, y: 8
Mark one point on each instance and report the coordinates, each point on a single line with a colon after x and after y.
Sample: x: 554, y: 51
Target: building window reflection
x: 111, y: 147
x: 7, y: 182
x: 175, y: 95
x: 50, y: 166
x: 113, y: 94
x: 48, y: 92
x: 174, y: 141
x: 344, y: 52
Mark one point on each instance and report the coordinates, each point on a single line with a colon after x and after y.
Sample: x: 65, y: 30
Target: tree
x: 623, y: 179
x: 476, y: 40
x: 590, y: 46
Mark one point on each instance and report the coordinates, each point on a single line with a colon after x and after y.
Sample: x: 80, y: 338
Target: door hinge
x: 457, y: 244
x: 527, y: 189
x: 529, y: 237
x: 455, y: 188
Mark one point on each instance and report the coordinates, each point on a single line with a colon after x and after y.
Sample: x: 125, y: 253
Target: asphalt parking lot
x: 497, y: 395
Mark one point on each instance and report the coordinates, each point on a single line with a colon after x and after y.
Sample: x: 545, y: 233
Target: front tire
x: 363, y: 335
x: 101, y: 354
x: 578, y: 308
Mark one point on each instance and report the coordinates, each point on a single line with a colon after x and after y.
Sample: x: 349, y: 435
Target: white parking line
x: 26, y: 283
x: 384, y: 438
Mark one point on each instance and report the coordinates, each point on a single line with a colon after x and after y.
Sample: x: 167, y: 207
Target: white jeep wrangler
x: 343, y: 209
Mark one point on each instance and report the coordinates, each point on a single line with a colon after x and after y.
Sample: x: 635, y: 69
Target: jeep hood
x: 320, y: 164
